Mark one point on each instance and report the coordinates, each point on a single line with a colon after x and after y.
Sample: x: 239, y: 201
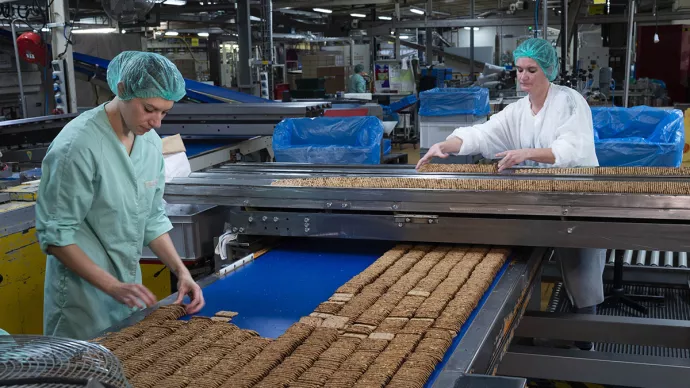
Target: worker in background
x: 357, y: 82
x: 101, y: 200
x: 551, y: 127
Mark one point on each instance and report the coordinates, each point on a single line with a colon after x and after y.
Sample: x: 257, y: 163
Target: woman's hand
x: 441, y: 150
x: 512, y: 158
x: 187, y: 286
x: 133, y: 295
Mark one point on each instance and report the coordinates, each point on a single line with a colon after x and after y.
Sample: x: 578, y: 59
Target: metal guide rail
x: 234, y: 119
x: 617, y: 221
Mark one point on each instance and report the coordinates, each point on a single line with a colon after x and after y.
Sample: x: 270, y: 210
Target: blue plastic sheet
x: 387, y: 146
x: 329, y: 140
x: 639, y: 136
x: 454, y: 101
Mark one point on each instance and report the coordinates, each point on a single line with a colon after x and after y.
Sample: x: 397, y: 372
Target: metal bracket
x: 415, y: 219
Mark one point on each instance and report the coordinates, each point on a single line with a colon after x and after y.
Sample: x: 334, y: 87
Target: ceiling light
x: 255, y: 19
x: 322, y: 10
x: 201, y: 3
x: 469, y: 28
x: 476, y: 28
x: 175, y: 2
x: 94, y: 30
x: 123, y: 31
x: 385, y: 18
x: 171, y: 33
x: 404, y: 37
x: 417, y: 11
x: 358, y: 15
x: 45, y: 29
x: 203, y: 34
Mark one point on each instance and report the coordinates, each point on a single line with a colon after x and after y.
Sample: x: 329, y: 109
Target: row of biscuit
x: 668, y: 187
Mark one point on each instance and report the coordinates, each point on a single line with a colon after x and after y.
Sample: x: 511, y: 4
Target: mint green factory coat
x: 110, y: 204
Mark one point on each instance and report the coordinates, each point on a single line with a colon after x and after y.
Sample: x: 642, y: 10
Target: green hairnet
x: 145, y: 75
x: 359, y: 68
x: 542, y: 52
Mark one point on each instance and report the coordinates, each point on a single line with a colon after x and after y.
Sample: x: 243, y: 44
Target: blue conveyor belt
x: 287, y: 283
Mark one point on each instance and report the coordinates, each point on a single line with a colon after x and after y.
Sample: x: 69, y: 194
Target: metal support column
x: 214, y: 58
x: 244, y: 37
x: 397, y: 32
x: 20, y: 82
x: 564, y: 36
x: 545, y: 11
x: 628, y: 51
x: 429, y: 33
x: 62, y: 48
x: 472, y: 42
x: 576, y: 44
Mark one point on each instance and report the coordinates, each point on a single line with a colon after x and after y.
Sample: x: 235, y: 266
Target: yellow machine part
x: 156, y: 277
x: 22, y: 270
x: 25, y: 192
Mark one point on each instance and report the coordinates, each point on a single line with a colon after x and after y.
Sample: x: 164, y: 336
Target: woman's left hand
x: 187, y: 286
x: 512, y: 158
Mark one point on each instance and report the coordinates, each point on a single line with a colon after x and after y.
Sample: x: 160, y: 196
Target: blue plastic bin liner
x: 403, y: 103
x: 454, y: 101
x: 387, y: 146
x: 638, y: 136
x: 329, y: 140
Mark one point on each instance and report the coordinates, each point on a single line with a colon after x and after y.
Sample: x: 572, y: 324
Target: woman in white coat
x: 551, y: 127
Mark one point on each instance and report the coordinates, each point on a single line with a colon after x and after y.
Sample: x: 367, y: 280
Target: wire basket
x: 51, y: 362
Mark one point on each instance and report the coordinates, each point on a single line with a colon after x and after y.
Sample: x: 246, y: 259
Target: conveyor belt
x: 273, y: 291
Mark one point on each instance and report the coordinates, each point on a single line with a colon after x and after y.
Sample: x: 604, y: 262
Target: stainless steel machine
x: 536, y: 221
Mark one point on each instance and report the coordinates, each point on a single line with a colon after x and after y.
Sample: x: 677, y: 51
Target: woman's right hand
x: 441, y: 150
x: 133, y: 295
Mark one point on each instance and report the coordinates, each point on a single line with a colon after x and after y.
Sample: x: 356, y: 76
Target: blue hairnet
x: 145, y: 75
x: 542, y: 52
x: 359, y: 68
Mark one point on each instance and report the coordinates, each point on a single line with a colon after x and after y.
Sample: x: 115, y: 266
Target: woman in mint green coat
x: 101, y: 200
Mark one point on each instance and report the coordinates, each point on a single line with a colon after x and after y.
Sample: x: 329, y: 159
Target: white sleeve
x: 489, y: 138
x: 574, y: 136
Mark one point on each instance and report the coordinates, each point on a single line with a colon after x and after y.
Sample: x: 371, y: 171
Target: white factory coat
x: 564, y: 124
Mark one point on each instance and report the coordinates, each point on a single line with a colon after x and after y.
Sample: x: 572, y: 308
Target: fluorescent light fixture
x: 476, y: 28
x: 201, y: 3
x: 203, y: 34
x: 171, y: 33
x: 175, y: 2
x: 358, y: 15
x: 123, y: 31
x: 404, y: 37
x: 322, y: 10
x: 108, y: 30
x: 469, y: 28
x: 417, y: 11
x: 45, y: 29
x: 255, y: 19
x: 385, y: 18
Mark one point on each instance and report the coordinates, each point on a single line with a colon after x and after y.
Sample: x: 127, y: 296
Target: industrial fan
x: 52, y: 362
x: 128, y: 11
